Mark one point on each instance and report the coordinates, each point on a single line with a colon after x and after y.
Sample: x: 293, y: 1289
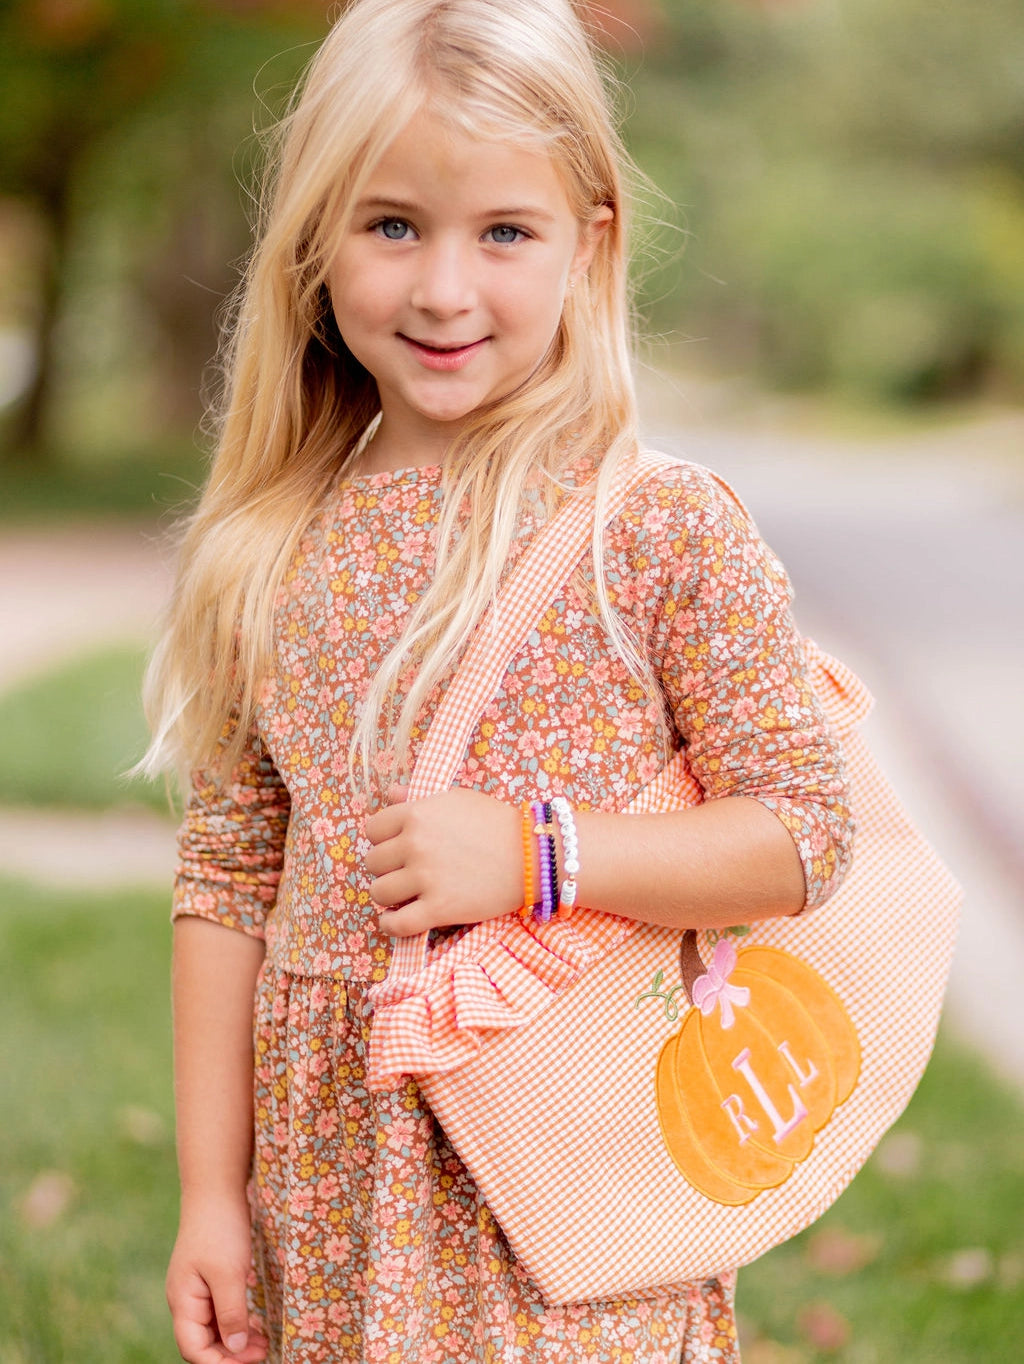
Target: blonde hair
x: 297, y: 405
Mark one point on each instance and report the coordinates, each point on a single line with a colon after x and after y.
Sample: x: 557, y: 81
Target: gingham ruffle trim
x: 504, y: 977
x: 844, y: 698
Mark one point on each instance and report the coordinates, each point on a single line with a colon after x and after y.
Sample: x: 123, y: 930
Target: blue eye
x: 505, y: 235
x: 394, y: 229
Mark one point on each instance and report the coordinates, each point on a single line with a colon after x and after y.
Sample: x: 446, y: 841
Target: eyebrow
x: 399, y: 205
x: 386, y: 204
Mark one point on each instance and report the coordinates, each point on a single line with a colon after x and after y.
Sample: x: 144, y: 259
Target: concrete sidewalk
x: 76, y: 587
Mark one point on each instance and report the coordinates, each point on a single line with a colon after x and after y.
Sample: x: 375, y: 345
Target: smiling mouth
x: 447, y: 349
x: 443, y: 357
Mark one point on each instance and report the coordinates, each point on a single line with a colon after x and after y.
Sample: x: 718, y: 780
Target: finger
x: 383, y: 858
x: 232, y: 1311
x: 197, y: 1345
x: 385, y: 824
x: 192, y: 1315
x: 255, y: 1351
x: 195, y: 1327
x: 398, y: 793
x: 197, y: 1342
x: 395, y: 888
x: 405, y: 922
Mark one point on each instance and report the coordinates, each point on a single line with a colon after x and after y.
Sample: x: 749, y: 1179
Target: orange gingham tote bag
x: 641, y: 1106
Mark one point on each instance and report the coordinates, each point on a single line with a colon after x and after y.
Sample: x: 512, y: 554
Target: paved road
x: 76, y: 587
x: 911, y: 556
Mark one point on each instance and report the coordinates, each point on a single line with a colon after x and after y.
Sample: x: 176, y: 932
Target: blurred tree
x: 73, y: 72
x: 852, y: 174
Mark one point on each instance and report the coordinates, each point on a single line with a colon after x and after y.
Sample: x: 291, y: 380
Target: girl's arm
x: 724, y: 862
x: 214, y: 978
x: 695, y: 582
x: 455, y: 858
x: 231, y: 844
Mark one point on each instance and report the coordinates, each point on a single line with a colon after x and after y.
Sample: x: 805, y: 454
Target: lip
x: 445, y: 356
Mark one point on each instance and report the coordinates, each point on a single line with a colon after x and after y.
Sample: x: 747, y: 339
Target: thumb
x: 232, y: 1312
x: 398, y: 793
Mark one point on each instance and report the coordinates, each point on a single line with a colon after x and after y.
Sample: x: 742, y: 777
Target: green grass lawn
x: 923, y: 1257
x: 920, y: 1262
x: 69, y: 736
x: 87, y: 1181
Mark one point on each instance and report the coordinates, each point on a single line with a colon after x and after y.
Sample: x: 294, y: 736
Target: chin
x: 448, y: 416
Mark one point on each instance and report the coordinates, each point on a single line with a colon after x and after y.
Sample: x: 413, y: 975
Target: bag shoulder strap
x: 545, y: 565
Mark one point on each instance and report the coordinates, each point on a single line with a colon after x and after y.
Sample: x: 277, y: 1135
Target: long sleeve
x: 231, y: 844
x: 731, y: 665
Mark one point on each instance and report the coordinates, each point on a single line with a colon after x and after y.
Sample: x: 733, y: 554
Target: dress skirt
x: 372, y: 1243
x: 371, y: 1240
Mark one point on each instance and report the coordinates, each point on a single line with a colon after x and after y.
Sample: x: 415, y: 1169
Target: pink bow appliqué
x: 714, y: 988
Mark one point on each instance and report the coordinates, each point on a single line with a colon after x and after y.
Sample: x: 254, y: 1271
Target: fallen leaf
x: 1010, y: 1272
x: 47, y: 1199
x: 967, y: 1268
x: 823, y: 1327
x: 833, y: 1250
x: 899, y: 1155
x: 772, y: 1352
x: 141, y: 1125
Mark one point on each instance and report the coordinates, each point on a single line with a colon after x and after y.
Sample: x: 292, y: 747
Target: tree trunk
x: 30, y: 420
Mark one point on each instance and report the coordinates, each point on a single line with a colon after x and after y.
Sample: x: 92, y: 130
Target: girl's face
x: 449, y: 282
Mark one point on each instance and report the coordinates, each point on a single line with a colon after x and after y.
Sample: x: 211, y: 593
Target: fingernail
x: 237, y: 1342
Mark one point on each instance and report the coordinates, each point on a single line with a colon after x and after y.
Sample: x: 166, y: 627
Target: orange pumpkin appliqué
x: 763, y: 1059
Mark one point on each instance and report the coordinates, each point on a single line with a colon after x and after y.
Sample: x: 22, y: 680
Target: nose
x: 444, y: 284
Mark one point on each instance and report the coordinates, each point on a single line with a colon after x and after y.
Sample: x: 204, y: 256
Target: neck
x: 389, y: 449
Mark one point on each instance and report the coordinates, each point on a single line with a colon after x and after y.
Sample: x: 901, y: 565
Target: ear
x: 591, y: 233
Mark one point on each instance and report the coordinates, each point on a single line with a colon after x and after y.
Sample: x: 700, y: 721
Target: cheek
x: 362, y: 316
x: 548, y: 320
x: 534, y: 307
x: 358, y: 294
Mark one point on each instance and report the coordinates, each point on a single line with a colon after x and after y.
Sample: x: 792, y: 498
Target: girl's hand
x: 453, y: 858
x: 206, y: 1288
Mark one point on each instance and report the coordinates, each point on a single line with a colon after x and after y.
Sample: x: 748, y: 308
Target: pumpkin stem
x: 690, y: 962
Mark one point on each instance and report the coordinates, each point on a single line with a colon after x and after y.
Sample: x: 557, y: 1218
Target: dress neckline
x: 427, y: 473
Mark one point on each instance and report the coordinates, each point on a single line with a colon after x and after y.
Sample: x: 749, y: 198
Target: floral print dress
x: 371, y: 1241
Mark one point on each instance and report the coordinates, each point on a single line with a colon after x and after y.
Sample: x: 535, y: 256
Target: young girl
x: 430, y: 355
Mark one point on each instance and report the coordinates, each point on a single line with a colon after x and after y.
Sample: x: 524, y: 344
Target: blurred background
x: 831, y: 277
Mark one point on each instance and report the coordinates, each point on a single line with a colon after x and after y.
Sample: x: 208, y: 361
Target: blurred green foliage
x: 151, y: 480
x: 849, y: 176
x: 126, y: 142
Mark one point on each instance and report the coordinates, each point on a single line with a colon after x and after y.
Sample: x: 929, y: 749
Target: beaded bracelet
x: 549, y: 817
x: 528, y: 822
x: 570, y: 856
x: 548, y: 867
